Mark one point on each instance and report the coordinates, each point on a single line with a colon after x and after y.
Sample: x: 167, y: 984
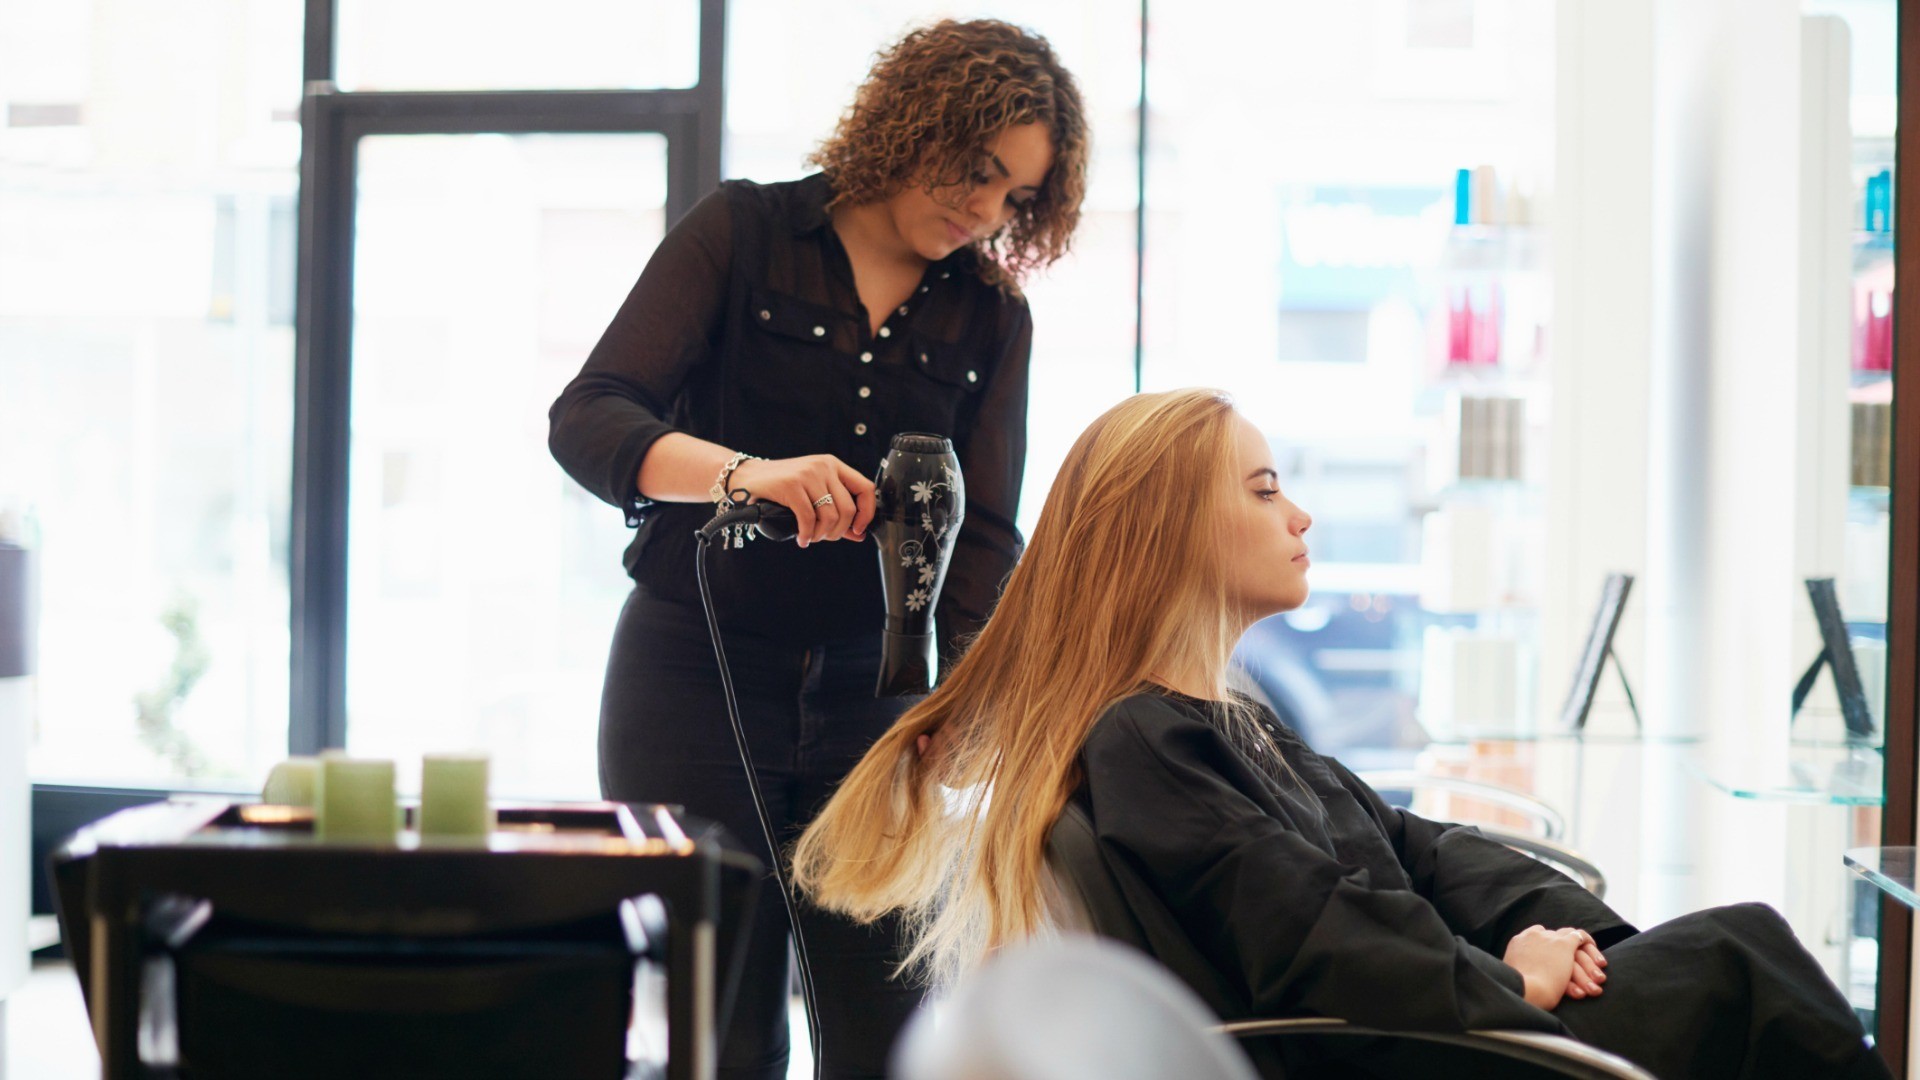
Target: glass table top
x: 1561, y: 736
x: 1889, y: 868
x: 1832, y: 774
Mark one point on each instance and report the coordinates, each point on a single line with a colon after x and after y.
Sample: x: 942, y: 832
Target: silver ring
x: 824, y: 500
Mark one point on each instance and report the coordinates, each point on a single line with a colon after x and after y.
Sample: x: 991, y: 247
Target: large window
x: 481, y: 581
x: 147, y: 192
x: 493, y: 45
x: 1313, y: 246
x: 1300, y: 249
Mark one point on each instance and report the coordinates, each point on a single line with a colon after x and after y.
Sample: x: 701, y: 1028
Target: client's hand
x: 1550, y: 962
x: 1589, y: 969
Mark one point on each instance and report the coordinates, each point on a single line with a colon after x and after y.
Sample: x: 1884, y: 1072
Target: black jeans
x: 809, y: 714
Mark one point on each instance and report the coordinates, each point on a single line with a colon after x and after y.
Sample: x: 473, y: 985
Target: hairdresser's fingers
x: 932, y: 747
x: 822, y: 470
x: 862, y: 489
x: 842, y: 506
x: 804, y: 519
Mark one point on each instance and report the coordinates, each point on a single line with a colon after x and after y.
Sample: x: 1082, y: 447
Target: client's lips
x: 1302, y: 558
x: 957, y: 234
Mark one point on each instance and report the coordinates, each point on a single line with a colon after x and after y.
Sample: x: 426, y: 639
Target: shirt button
x: 819, y: 331
x: 866, y: 358
x: 765, y: 314
x: 903, y: 309
x: 923, y: 358
x: 886, y: 331
x: 923, y: 288
x: 943, y: 275
x: 973, y: 376
x: 866, y: 391
x: 859, y: 429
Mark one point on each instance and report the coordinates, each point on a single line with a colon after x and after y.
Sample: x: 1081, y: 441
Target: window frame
x: 332, y: 124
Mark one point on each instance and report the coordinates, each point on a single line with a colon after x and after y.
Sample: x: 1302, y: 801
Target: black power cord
x: 775, y: 522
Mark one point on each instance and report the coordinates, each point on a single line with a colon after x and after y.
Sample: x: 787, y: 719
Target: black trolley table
x: 132, y: 882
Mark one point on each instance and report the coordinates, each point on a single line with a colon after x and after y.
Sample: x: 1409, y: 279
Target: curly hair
x: 929, y: 108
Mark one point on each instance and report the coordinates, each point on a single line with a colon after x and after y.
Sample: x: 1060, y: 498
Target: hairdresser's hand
x: 1546, y: 960
x: 799, y: 483
x: 931, y: 747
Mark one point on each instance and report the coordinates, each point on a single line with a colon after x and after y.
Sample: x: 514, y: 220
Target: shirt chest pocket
x: 785, y: 360
x: 957, y: 367
x: 937, y: 382
x: 789, y: 319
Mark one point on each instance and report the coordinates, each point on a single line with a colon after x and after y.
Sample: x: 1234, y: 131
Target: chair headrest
x: 1071, y: 1008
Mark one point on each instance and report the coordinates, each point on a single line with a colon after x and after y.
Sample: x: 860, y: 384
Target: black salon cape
x: 1275, y: 900
x: 1308, y: 902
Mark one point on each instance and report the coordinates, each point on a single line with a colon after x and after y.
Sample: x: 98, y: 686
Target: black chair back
x: 1128, y: 913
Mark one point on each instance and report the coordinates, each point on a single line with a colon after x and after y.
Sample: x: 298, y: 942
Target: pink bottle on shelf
x: 1872, y: 329
x: 1883, y: 332
x: 1487, y: 334
x: 1460, y: 328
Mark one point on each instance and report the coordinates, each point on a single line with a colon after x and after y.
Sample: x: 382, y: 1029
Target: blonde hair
x: 1122, y: 582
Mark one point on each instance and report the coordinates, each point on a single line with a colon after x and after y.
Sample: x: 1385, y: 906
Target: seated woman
x: 1101, y: 678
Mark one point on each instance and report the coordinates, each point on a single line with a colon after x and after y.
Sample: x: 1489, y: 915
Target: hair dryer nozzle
x: 906, y: 665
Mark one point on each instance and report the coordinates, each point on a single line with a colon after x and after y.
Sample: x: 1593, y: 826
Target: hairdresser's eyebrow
x: 1002, y: 166
x: 1258, y: 473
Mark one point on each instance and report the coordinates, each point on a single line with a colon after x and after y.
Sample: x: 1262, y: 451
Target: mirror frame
x: 1892, y: 1014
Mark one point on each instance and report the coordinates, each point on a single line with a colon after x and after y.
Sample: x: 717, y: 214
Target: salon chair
x: 1073, y: 1008
x: 1544, y: 842
x: 1306, y: 1046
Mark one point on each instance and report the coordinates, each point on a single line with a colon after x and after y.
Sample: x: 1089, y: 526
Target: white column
x: 1755, y: 431
x: 1601, y: 223
x: 1678, y: 427
x: 1676, y: 596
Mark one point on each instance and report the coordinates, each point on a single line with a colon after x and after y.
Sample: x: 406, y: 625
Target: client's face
x: 1267, y: 549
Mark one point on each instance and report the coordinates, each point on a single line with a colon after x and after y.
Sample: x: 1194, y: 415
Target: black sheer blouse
x: 746, y: 329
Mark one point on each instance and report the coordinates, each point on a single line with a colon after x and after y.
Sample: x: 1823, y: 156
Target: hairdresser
x: 776, y: 341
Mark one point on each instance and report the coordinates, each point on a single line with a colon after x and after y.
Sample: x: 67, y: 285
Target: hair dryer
x: 919, y: 502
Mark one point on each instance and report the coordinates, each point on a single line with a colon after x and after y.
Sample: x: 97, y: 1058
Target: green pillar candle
x: 292, y: 782
x: 453, y: 796
x: 355, y: 801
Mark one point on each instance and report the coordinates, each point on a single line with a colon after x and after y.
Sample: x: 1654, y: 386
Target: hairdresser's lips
x: 1302, y: 561
x: 957, y: 234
